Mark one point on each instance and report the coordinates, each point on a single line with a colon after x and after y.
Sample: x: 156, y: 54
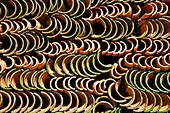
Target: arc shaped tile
x: 8, y: 97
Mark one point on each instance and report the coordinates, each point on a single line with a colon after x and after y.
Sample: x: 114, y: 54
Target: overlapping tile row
x: 68, y: 101
x: 153, y: 28
x: 15, y: 9
x: 84, y: 56
x: 61, y: 25
x: 118, y: 94
x: 22, y: 43
x: 97, y: 87
x: 30, y: 41
x: 20, y: 80
x: 26, y: 62
x: 139, y: 61
x: 145, y: 46
x: 150, y: 10
x: 80, y: 65
x: 148, y: 80
x: 147, y: 62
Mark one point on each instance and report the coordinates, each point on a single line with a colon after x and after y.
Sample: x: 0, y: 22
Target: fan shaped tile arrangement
x: 84, y: 56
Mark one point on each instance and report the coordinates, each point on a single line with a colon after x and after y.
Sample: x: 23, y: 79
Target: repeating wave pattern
x: 85, y: 56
